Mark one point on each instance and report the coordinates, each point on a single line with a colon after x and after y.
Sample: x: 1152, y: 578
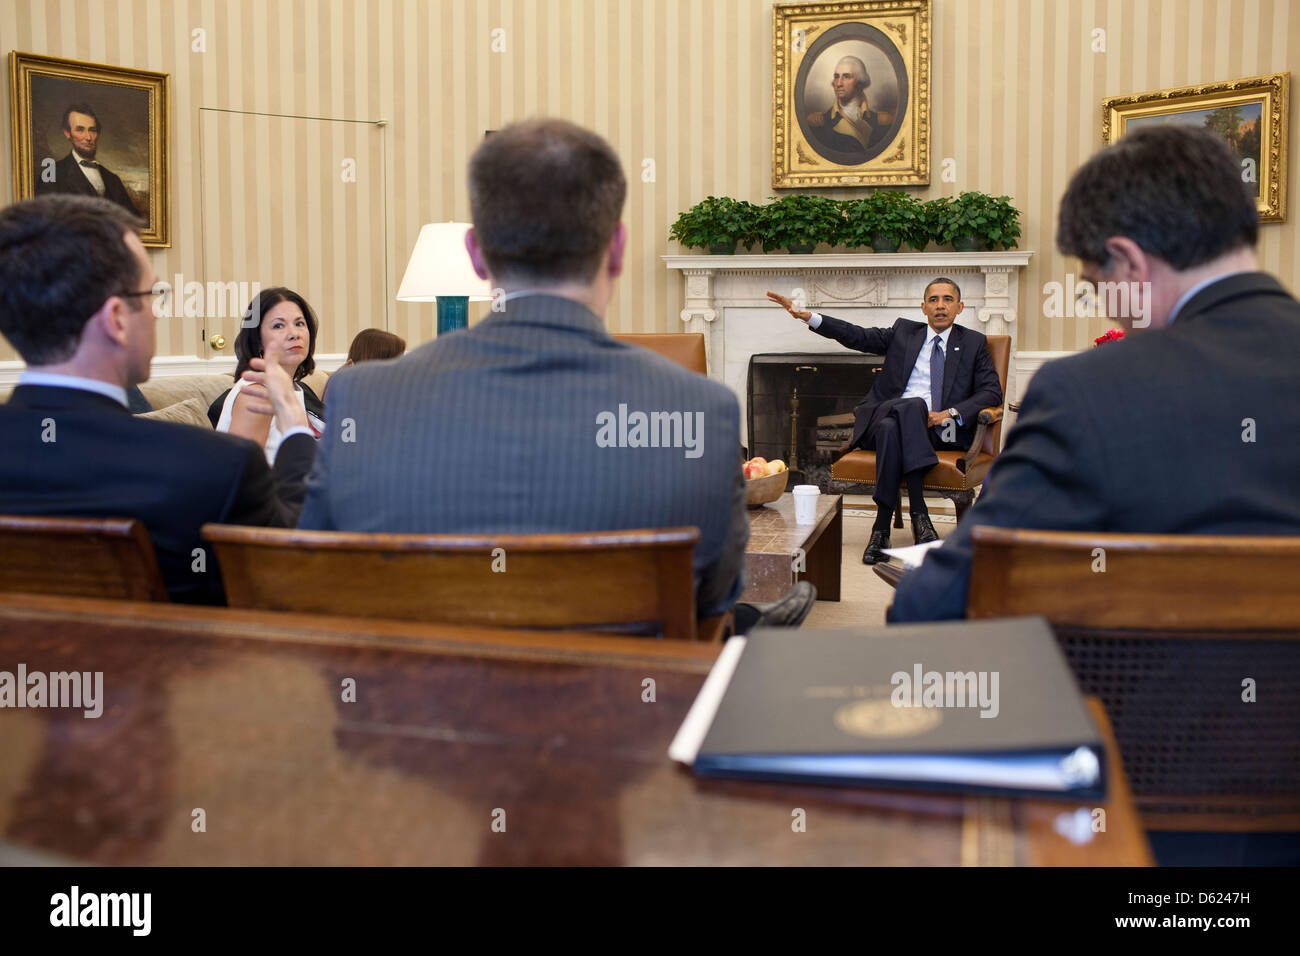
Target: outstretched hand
x: 270, y: 390
x: 802, y: 315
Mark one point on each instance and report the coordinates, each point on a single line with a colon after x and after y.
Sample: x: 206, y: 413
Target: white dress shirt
x: 116, y: 392
x: 918, y: 384
x: 92, y: 174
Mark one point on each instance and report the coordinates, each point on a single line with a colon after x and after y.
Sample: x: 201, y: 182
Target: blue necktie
x: 936, y: 375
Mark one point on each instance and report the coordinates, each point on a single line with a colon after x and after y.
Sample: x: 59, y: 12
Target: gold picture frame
x: 831, y: 129
x: 1250, y: 114
x: 123, y: 138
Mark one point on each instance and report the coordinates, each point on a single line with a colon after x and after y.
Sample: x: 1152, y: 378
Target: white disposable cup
x: 805, y: 503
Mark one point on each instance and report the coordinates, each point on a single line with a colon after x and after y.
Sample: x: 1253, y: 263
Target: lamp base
x: 453, y: 313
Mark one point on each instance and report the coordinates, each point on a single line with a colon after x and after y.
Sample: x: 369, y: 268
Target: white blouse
x: 273, y: 436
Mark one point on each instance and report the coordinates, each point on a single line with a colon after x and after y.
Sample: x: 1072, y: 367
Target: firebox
x: 789, y: 391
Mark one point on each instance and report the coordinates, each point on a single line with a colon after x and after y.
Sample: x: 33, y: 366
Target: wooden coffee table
x: 773, y: 559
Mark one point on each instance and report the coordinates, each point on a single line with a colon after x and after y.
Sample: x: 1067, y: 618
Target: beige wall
x: 683, y: 82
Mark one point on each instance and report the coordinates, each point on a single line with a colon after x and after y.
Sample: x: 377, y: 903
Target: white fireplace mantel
x: 725, y: 298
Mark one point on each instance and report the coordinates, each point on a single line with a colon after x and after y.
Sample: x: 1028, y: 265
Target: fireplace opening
x: 787, y: 392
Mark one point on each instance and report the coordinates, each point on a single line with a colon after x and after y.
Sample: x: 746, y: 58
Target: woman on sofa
x: 287, y: 320
x: 371, y: 345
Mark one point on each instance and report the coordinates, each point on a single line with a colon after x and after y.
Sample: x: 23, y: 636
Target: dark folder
x: 966, y: 705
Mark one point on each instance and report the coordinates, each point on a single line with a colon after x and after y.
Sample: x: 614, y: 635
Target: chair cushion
x: 860, y: 466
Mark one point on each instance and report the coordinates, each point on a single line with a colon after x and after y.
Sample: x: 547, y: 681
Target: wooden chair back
x: 1192, y: 642
x: 684, y: 348
x: 79, y: 557
x: 636, y: 581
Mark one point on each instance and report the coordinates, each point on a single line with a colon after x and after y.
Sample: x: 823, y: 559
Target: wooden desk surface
x: 240, y: 714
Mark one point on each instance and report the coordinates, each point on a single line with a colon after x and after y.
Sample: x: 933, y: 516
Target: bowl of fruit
x: 764, y: 480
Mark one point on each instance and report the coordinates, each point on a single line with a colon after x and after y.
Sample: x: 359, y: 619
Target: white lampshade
x: 440, y: 265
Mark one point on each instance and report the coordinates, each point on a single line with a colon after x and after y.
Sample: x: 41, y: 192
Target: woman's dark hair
x: 248, y: 343
x: 375, y: 345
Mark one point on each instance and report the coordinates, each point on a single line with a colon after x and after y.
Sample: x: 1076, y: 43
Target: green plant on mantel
x: 884, y: 221
x: 975, y: 221
x: 716, y: 223
x: 799, y: 223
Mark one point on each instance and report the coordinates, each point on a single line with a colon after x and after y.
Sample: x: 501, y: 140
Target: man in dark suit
x: 935, y: 380
x: 75, y: 288
x: 536, y: 420
x: 78, y: 173
x: 1188, y: 425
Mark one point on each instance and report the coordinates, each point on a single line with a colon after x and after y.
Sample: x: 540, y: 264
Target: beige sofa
x: 185, y: 398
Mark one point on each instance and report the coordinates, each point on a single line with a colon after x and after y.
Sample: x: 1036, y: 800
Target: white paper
x: 913, y: 554
x: 690, y: 735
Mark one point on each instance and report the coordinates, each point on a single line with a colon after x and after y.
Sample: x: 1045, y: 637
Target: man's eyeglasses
x: 161, y: 306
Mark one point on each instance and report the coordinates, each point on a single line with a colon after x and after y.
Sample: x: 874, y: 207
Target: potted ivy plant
x: 716, y: 223
x: 798, y: 223
x: 975, y: 221
x: 884, y: 221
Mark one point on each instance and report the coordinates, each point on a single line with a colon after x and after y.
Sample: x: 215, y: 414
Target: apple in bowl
x: 765, y: 480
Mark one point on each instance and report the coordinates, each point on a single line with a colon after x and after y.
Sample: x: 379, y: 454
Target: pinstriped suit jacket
x: 494, y: 429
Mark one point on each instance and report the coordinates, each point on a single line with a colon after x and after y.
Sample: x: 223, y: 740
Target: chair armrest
x: 989, y: 416
x: 976, y: 444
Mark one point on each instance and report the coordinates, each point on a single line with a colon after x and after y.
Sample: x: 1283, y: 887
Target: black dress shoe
x: 875, y: 552
x: 791, y: 609
x: 923, y: 529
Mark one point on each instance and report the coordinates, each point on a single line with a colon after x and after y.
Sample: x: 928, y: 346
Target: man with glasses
x: 76, y: 297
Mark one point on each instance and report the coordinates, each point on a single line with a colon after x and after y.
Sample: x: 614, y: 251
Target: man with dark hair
x: 928, y: 395
x: 528, y: 421
x: 75, y: 301
x: 78, y: 173
x: 1189, y: 429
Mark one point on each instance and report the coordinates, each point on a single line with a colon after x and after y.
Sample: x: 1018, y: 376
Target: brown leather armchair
x: 684, y: 348
x: 958, y: 474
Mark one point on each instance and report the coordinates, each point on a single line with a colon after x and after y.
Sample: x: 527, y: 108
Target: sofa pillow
x: 164, y: 390
x: 189, y: 412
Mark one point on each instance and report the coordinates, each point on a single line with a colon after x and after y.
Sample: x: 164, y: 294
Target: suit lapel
x: 956, y: 352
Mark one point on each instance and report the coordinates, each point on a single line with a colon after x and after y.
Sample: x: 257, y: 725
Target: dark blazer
x: 1151, y: 434
x: 970, y: 382
x: 494, y: 429
x: 68, y: 178
x: 105, y: 462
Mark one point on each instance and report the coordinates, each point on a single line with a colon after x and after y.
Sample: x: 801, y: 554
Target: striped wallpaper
x: 684, y: 83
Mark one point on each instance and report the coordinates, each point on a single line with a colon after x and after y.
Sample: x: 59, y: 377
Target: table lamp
x: 440, y: 271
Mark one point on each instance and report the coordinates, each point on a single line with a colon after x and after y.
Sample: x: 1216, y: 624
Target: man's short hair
x: 545, y: 196
x: 1176, y: 191
x: 79, y: 108
x: 61, y: 258
x: 859, y: 70
x: 941, y: 280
